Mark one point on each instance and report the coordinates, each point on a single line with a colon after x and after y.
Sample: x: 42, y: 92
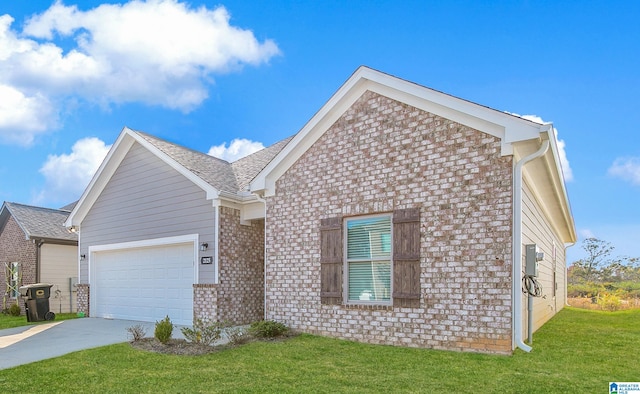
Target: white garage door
x: 144, y: 284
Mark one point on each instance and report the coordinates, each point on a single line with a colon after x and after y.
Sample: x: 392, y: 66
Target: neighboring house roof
x: 519, y: 137
x: 69, y: 207
x: 217, y: 177
x: 39, y: 223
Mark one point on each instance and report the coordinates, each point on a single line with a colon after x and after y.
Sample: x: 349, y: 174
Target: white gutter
x: 517, y: 245
x: 264, y: 290
x: 566, y: 274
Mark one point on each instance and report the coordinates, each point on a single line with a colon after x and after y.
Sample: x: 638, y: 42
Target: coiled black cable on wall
x: 531, y: 286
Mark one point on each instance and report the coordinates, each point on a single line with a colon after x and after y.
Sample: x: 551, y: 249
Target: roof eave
x: 508, y: 128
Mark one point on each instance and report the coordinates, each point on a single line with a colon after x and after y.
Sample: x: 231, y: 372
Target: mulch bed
x: 175, y: 346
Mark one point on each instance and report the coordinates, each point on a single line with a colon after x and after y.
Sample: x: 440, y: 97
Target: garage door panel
x: 144, y: 284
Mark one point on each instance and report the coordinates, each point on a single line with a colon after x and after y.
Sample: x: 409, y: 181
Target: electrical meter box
x: 532, y: 256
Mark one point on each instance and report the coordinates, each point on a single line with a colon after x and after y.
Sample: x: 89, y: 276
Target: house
x: 35, y: 247
x: 397, y: 215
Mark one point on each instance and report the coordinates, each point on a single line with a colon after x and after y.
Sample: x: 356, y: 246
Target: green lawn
x: 8, y: 321
x: 578, y: 351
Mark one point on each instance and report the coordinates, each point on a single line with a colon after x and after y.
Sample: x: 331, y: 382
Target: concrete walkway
x: 23, y: 345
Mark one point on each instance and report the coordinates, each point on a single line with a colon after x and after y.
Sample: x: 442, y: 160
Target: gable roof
x: 216, y: 177
x: 517, y: 135
x: 38, y: 222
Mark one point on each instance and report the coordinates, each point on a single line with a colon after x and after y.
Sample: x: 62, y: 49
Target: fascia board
x: 508, y: 128
x: 6, y: 208
x: 100, y: 179
x: 110, y: 164
x: 553, y: 164
x: 308, y: 135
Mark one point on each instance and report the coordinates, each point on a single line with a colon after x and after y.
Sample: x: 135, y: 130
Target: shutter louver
x: 406, y: 258
x: 331, y: 261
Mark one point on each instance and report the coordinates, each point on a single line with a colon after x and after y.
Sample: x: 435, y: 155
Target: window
x: 378, y: 257
x: 368, y: 259
x: 14, y: 279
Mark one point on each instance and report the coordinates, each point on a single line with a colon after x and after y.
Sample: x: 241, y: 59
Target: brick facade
x: 241, y: 260
x: 15, y: 248
x: 83, y: 298
x: 205, y: 302
x: 383, y: 155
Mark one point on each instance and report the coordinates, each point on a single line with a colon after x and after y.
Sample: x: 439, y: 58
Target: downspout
x: 566, y: 274
x: 264, y: 290
x: 38, y: 243
x: 216, y: 238
x: 517, y: 244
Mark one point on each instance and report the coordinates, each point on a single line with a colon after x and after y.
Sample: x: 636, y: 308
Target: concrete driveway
x: 23, y: 345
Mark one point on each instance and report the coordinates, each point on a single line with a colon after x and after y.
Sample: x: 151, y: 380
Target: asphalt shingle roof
x: 248, y: 167
x: 38, y: 222
x: 224, y: 176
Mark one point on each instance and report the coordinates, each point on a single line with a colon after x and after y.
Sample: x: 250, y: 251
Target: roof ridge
x: 142, y: 133
x: 9, y: 203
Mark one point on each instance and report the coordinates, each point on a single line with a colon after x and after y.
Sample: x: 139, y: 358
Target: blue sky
x: 206, y: 73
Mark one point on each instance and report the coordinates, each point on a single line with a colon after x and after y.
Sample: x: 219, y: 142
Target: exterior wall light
x: 204, y: 246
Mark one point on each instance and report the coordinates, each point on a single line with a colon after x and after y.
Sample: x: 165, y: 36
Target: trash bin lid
x: 24, y: 290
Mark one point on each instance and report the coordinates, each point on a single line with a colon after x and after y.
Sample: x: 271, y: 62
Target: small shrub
x: 137, y: 332
x: 237, y: 335
x: 203, y: 332
x: 14, y: 310
x: 164, y: 329
x: 267, y: 329
x: 609, y: 302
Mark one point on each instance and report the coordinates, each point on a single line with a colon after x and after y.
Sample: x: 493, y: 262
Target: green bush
x: 267, y: 329
x: 14, y: 310
x: 203, y: 332
x: 609, y: 302
x: 164, y: 329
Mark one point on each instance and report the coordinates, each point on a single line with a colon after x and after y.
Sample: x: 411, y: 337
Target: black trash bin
x: 36, y: 301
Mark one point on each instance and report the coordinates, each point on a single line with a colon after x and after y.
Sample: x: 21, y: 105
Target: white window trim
x: 346, y: 261
x: 15, y: 276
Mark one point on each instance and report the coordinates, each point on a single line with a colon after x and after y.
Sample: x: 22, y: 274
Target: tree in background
x: 603, y: 277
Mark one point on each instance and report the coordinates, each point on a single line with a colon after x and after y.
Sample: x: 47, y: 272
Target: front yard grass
x: 578, y: 351
x: 8, y: 321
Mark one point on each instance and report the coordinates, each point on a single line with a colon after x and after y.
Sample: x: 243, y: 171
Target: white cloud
x: 562, y: 153
x: 23, y: 117
x: 626, y: 168
x: 238, y: 148
x: 564, y: 162
x: 585, y: 233
x: 157, y: 52
x: 67, y: 175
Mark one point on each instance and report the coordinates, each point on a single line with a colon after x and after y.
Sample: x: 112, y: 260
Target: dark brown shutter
x: 406, y: 258
x: 331, y: 261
